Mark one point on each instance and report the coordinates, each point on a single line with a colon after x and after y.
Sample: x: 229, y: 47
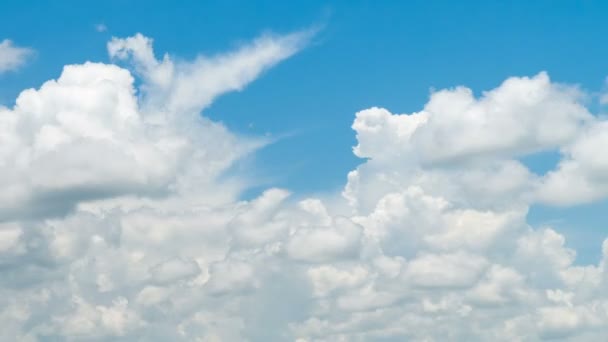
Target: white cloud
x: 582, y: 176
x: 86, y: 127
x: 12, y: 57
x: 117, y: 225
x: 522, y: 115
x: 340, y: 239
x: 445, y: 270
x: 90, y: 115
x: 191, y: 86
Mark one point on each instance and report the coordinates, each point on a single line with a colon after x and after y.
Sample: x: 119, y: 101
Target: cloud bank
x: 117, y: 221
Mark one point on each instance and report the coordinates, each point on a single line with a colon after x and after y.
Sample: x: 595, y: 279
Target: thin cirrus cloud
x: 117, y: 225
x: 12, y: 57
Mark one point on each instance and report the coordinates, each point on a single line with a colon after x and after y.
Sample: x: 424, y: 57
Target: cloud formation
x: 117, y: 222
x: 12, y: 57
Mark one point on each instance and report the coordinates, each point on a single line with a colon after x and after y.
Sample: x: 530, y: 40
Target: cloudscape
x: 131, y: 210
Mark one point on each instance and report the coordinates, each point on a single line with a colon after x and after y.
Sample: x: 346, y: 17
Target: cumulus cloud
x: 522, y: 115
x: 582, y: 176
x: 12, y: 57
x: 118, y: 222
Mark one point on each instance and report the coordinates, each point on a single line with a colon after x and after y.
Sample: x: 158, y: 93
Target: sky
x: 395, y: 170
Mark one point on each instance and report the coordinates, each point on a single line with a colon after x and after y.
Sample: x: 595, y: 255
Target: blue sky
x: 388, y: 54
x: 369, y: 53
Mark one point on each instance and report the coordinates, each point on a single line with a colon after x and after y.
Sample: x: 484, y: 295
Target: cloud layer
x: 117, y: 221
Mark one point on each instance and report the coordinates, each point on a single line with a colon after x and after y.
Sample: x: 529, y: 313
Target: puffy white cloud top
x: 117, y: 222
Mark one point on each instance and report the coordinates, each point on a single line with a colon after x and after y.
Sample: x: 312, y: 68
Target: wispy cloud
x: 12, y: 57
x: 101, y: 27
